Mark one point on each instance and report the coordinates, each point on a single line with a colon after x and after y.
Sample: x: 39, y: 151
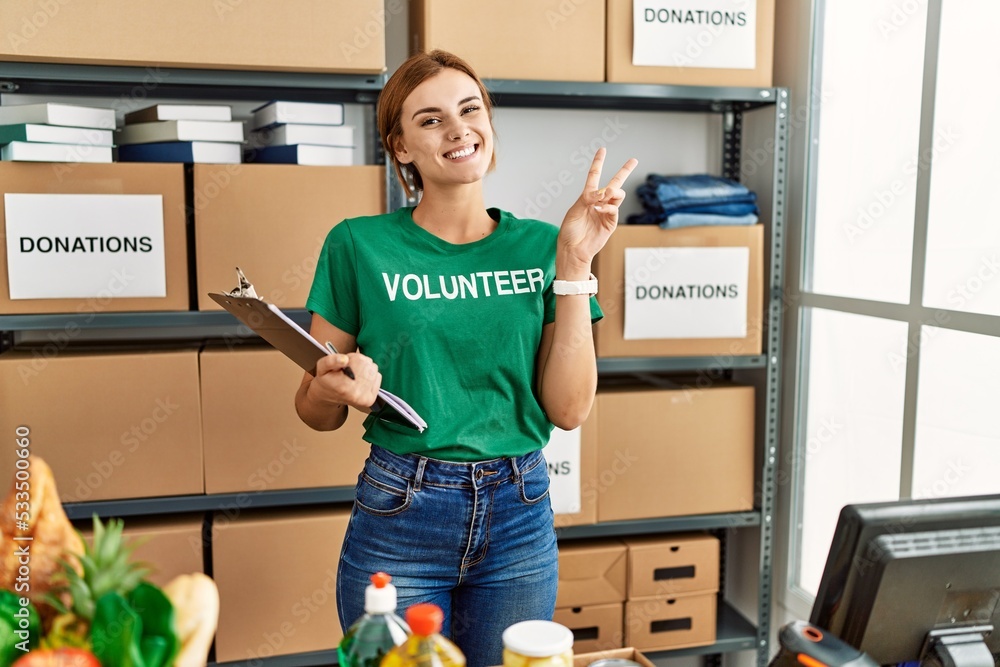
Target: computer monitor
x: 914, y: 580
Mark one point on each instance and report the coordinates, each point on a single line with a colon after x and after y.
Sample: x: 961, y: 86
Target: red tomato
x: 60, y: 657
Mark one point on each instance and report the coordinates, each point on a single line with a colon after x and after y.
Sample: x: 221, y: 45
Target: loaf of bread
x: 53, y: 536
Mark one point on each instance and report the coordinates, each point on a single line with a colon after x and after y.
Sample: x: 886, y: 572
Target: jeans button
x: 479, y: 475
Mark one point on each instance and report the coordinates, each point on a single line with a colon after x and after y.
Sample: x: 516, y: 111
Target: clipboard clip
x: 245, y: 289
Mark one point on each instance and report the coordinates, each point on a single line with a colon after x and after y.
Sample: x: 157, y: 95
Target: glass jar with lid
x: 537, y: 644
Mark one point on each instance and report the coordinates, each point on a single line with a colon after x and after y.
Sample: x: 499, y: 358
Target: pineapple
x: 107, y: 568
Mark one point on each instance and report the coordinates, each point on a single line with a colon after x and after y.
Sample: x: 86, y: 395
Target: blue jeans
x: 476, y: 539
x: 678, y: 220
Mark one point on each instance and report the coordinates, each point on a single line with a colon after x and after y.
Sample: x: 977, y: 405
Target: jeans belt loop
x: 517, y: 472
x: 421, y: 464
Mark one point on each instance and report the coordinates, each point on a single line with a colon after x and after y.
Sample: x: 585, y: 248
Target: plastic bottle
x: 373, y: 635
x: 425, y: 646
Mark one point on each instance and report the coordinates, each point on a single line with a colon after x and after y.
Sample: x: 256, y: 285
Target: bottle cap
x: 538, y: 639
x: 380, y: 595
x: 425, y: 619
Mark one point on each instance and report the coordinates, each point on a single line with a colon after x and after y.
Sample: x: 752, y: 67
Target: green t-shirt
x: 454, y: 329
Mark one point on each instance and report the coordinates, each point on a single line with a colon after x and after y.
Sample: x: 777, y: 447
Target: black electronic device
x: 916, y: 581
x: 805, y: 645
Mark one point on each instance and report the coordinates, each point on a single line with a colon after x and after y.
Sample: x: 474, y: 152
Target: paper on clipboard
x: 267, y: 321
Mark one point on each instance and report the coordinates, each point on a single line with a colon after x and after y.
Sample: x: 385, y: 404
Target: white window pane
x: 963, y: 237
x: 958, y: 434
x: 869, y: 121
x: 854, y: 425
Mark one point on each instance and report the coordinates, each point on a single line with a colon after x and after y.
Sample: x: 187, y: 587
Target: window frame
x: 793, y: 597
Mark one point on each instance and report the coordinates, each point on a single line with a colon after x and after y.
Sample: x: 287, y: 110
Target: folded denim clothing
x: 645, y: 218
x: 733, y: 208
x: 681, y: 204
x: 693, y: 186
x: 737, y: 205
x: 678, y: 220
x: 699, y: 194
x: 657, y: 198
x: 690, y: 219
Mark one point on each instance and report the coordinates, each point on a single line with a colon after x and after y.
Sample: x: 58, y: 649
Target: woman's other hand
x: 590, y: 221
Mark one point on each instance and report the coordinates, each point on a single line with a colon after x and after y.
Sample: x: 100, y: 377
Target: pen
x: 346, y: 369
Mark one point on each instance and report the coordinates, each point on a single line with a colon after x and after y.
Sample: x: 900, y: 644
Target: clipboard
x: 267, y: 321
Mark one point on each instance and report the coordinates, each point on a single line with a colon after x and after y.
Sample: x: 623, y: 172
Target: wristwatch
x: 564, y: 287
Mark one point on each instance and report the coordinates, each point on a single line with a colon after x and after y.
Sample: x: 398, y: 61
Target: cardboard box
x: 101, y: 179
x: 609, y: 267
x: 277, y: 579
x: 584, y: 659
x: 592, y: 572
x: 671, y: 565
x: 110, y: 425
x: 171, y: 546
x: 595, y: 628
x: 567, y: 474
x: 688, y: 50
x: 526, y: 39
x: 683, y: 621
x: 271, y: 220
x: 667, y: 452
x: 302, y: 35
x: 255, y: 441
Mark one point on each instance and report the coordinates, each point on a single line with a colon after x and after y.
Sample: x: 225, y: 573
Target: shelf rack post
x: 732, y: 144
x: 776, y: 306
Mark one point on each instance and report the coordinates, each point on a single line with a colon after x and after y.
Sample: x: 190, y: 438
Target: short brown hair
x: 417, y: 69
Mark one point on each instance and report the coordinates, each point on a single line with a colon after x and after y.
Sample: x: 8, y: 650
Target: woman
x: 456, y: 305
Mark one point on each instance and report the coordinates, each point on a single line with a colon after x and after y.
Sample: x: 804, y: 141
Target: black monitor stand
x: 960, y: 647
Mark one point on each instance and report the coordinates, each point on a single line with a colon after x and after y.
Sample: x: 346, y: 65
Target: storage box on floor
x: 60, y: 267
x: 727, y: 44
x: 271, y: 221
x: 674, y: 451
x: 110, y: 424
x: 303, y: 35
x: 684, y: 292
x: 169, y: 546
x: 255, y: 441
x: 525, y: 39
x: 291, y: 559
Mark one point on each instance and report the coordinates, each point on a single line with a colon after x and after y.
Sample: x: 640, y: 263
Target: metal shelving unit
x: 345, y: 494
x: 734, y: 632
x: 197, y: 325
x: 637, y: 96
x: 137, y: 83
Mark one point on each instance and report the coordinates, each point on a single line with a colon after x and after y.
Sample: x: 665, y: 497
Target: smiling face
x: 446, y: 131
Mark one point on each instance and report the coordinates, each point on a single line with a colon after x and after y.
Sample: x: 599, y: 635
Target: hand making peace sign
x: 589, y: 222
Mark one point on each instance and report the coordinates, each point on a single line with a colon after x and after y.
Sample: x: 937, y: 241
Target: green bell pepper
x: 135, y: 631
x: 20, y: 627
